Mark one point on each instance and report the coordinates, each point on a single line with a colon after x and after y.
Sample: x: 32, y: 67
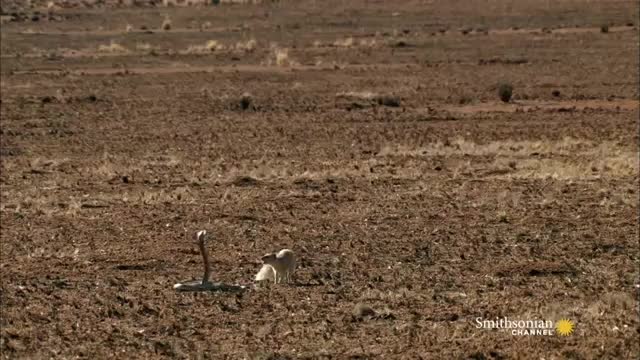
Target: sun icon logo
x: 564, y: 327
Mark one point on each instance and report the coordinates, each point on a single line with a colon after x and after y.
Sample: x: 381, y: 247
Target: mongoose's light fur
x: 266, y: 273
x: 282, y: 265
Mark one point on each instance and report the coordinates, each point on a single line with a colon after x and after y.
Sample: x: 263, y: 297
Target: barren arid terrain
x: 368, y: 136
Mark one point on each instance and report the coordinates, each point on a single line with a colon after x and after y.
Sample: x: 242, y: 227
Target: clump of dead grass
x: 367, y: 43
x: 113, y: 47
x: 145, y: 47
x: 208, y: 47
x: 370, y: 98
x: 346, y: 42
x: 280, y: 57
x: 177, y: 195
x: 205, y: 26
x: 248, y: 46
x: 363, y: 95
x: 51, y: 6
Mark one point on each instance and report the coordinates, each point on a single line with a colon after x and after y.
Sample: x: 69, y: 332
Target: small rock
x: 388, y: 100
x: 362, y: 311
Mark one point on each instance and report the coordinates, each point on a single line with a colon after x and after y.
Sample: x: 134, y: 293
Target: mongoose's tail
x: 266, y: 273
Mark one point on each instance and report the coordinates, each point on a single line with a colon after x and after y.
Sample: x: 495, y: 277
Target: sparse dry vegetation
x: 279, y: 56
x: 369, y: 138
x: 346, y: 42
x: 536, y: 159
x: 205, y: 26
x: 113, y: 47
x: 248, y: 46
x: 208, y: 47
x: 368, y: 42
x: 366, y: 98
x: 146, y: 47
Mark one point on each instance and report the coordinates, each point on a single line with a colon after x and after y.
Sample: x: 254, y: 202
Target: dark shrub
x: 505, y: 91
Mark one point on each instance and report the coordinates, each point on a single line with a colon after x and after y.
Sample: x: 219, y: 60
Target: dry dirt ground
x: 373, y: 143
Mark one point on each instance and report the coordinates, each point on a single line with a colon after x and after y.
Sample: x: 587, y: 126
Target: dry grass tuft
x: 52, y: 8
x: 346, y: 42
x: 368, y: 43
x: 113, y: 47
x: 205, y: 26
x: 146, y: 47
x: 363, y: 95
x: 214, y: 45
x: 208, y: 47
x: 370, y: 98
x: 280, y: 57
x: 248, y: 46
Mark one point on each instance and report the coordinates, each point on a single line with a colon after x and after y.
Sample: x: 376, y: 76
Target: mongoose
x: 266, y: 273
x: 283, y: 264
